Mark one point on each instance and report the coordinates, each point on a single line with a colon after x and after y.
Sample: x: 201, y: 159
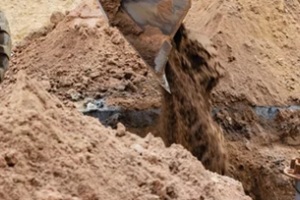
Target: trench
x: 143, y: 119
x: 141, y: 122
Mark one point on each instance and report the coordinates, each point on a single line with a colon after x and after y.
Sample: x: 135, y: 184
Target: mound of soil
x: 81, y: 56
x: 52, y: 152
x: 258, y: 44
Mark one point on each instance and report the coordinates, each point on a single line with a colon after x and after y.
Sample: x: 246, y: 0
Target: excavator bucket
x: 149, y: 26
x: 5, y: 45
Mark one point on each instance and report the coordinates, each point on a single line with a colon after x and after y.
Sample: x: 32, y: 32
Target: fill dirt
x: 50, y: 144
x: 52, y: 152
x: 111, y: 69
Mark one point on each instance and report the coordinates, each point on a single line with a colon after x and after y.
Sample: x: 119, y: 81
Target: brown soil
x: 258, y: 44
x: 80, y: 57
x: 81, y: 68
x: 260, y: 149
x: 289, y: 126
x: 28, y: 16
x: 50, y: 152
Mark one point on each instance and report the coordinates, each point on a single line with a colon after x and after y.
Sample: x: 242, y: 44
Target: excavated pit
x: 112, y: 69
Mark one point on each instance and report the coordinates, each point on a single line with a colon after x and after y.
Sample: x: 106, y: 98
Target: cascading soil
x: 192, y: 72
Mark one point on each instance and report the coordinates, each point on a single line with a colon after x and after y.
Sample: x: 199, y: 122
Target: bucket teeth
x: 165, y: 84
x: 160, y: 64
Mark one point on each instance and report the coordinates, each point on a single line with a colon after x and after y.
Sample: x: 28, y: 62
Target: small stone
x: 57, y: 17
x: 138, y: 148
x: 139, y: 79
x: 11, y: 159
x: 91, y: 106
x: 121, y: 130
x: 75, y: 96
x: 46, y: 84
x: 95, y: 74
x: 120, y: 87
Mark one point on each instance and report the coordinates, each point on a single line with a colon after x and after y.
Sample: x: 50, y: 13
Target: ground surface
x: 257, y: 43
x: 31, y: 15
x: 50, y: 152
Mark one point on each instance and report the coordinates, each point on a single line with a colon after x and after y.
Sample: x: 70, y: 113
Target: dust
x: 93, y: 60
x: 82, y: 57
x: 186, y: 118
x: 258, y: 43
x: 289, y: 127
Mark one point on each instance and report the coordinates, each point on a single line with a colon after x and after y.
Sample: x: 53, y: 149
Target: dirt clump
x: 186, y: 117
x: 289, y: 126
x: 49, y: 151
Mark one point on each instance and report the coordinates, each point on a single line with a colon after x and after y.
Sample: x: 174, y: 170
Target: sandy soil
x: 260, y: 67
x: 258, y: 43
x: 31, y: 15
x: 111, y: 69
x: 51, y: 152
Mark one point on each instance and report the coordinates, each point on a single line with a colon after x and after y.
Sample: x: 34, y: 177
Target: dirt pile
x: 49, y: 151
x: 258, y: 43
x: 82, y: 57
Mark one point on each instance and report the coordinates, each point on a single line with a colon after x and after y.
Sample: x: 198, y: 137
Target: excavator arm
x: 149, y: 26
